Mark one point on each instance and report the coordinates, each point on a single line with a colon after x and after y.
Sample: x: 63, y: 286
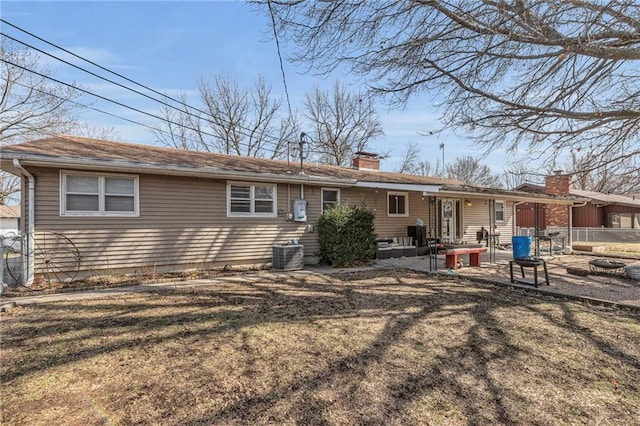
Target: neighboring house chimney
x: 557, y: 184
x: 366, y: 161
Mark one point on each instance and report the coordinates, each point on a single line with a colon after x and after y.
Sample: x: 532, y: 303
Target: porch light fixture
x: 467, y: 203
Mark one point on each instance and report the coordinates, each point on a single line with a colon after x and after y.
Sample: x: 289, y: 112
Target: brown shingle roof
x: 606, y: 198
x: 73, y: 147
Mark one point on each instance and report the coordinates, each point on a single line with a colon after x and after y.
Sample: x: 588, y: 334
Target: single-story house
x: 598, y: 210
x: 138, y: 208
x: 9, y: 219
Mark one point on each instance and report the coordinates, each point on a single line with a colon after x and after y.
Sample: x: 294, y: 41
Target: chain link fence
x: 606, y: 235
x: 590, y: 235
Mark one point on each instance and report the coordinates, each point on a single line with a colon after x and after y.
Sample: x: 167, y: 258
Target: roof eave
x: 163, y: 169
x: 518, y: 197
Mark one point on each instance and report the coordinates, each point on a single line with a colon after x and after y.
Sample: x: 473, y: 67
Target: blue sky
x: 169, y: 45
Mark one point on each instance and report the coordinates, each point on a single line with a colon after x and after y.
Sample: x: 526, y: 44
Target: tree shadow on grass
x: 401, y: 304
x: 569, y: 322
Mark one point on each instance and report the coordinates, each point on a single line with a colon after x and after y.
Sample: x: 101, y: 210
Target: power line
x: 119, y: 84
x: 156, y: 129
x: 94, y: 109
x: 114, y: 73
x: 111, y: 100
x: 284, y: 78
x: 274, y: 140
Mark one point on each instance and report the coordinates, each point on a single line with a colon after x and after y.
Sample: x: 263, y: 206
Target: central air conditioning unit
x: 288, y: 257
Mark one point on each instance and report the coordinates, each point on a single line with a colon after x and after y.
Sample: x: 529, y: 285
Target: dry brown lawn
x: 379, y: 347
x: 621, y: 249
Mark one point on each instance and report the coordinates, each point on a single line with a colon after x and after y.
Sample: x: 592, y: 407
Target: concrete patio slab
x: 596, y: 288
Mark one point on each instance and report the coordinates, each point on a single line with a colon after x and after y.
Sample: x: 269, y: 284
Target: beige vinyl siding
x: 309, y: 239
x: 506, y: 227
x: 477, y: 216
x: 183, y: 221
x: 386, y: 226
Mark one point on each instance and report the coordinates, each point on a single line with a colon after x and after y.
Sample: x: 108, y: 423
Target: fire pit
x: 608, y: 267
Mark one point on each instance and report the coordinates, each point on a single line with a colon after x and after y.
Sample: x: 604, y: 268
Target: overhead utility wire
x: 107, y: 99
x: 284, y: 78
x: 117, y: 74
x: 274, y: 140
x: 118, y: 84
x: 80, y: 104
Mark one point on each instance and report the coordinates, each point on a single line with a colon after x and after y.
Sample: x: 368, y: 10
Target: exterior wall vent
x: 288, y: 257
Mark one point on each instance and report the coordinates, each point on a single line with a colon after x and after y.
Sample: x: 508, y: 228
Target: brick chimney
x: 557, y: 184
x: 366, y: 161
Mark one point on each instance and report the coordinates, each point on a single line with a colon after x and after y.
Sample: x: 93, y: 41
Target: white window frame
x: 322, y: 196
x: 101, y: 212
x: 504, y: 210
x: 252, y: 186
x: 406, y: 204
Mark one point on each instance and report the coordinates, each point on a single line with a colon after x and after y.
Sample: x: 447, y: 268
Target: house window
x: 93, y: 194
x: 330, y: 198
x: 499, y: 211
x: 248, y: 199
x: 398, y: 203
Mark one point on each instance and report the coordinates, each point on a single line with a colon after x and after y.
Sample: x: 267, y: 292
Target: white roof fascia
x: 399, y: 186
x: 606, y: 198
x: 173, y: 170
x: 508, y: 197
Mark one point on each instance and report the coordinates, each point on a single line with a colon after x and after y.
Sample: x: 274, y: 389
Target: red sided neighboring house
x: 600, y: 211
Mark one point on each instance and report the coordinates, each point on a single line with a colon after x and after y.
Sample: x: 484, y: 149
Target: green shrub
x: 345, y: 235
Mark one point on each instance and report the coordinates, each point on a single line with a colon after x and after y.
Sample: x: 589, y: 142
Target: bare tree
x: 9, y: 188
x: 545, y: 75
x: 519, y: 173
x: 344, y: 123
x: 30, y: 106
x: 180, y: 127
x: 412, y: 163
x: 618, y: 177
x: 105, y: 133
x: 470, y: 170
x: 231, y: 120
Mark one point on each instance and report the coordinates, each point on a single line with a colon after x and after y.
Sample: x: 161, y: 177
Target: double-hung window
x: 93, y: 194
x: 330, y: 198
x: 251, y: 199
x: 398, y: 203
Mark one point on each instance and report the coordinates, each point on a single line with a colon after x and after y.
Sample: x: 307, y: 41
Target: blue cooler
x: 521, y: 246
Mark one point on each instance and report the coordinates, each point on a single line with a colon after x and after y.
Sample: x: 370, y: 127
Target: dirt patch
x: 373, y: 347
x: 110, y: 281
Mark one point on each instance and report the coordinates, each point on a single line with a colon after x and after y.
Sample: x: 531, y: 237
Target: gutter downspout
x: 27, y: 267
